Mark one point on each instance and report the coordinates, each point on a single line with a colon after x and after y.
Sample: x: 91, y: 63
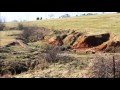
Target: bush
x: 20, y: 26
x: 103, y: 67
x: 51, y: 53
x: 36, y: 36
x: 2, y: 26
x: 33, y: 34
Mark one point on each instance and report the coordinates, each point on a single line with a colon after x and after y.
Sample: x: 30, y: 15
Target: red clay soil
x: 55, y: 42
x: 64, y: 39
x: 101, y: 47
x: 91, y: 41
x: 70, y: 39
x: 108, y: 45
x: 81, y: 42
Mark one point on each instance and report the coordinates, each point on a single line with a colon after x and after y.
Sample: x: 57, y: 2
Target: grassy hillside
x: 8, y: 36
x: 91, y: 24
x: 95, y: 23
x: 40, y: 59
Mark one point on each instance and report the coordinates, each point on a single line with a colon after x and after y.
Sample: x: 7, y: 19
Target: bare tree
x: 65, y: 16
x: 51, y: 15
x: 14, y: 21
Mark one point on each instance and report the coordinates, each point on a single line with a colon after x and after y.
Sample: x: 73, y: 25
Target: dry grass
x: 103, y: 66
x: 7, y: 37
x: 47, y: 62
x: 95, y: 23
x: 34, y: 34
x: 66, y: 65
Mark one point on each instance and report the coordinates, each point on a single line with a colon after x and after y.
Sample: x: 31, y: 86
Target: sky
x: 20, y: 16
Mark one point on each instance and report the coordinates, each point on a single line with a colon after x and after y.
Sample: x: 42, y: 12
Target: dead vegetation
x: 33, y: 34
x: 28, y: 57
x: 66, y: 67
x: 106, y: 67
x: 62, y: 53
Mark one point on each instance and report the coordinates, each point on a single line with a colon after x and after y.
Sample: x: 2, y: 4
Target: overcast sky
x: 10, y: 16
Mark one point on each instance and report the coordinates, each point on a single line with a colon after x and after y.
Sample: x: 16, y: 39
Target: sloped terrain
x: 18, y: 57
x: 68, y: 50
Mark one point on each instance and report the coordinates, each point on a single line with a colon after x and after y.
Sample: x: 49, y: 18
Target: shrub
x: 103, y: 67
x: 33, y: 34
x: 51, y: 53
x: 36, y: 37
x: 20, y: 26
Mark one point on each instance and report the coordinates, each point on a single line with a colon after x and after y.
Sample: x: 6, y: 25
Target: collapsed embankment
x: 78, y: 41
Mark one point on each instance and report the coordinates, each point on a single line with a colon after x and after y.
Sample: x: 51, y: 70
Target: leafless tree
x: 51, y: 15
x: 65, y: 16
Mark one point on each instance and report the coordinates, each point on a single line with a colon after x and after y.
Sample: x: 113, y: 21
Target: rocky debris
x: 79, y: 41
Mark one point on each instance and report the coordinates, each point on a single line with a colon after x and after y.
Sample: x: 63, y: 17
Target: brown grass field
x: 35, y: 60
